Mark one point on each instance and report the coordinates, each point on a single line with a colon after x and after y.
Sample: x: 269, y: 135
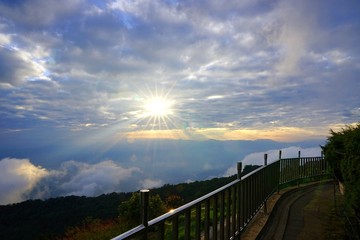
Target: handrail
x: 226, y: 211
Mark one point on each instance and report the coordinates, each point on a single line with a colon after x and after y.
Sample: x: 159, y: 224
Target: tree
x: 173, y: 201
x: 129, y: 211
x: 334, y: 151
x: 342, y: 152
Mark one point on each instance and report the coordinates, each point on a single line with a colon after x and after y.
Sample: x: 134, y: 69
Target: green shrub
x: 342, y: 152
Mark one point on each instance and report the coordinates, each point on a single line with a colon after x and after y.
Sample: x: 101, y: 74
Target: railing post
x: 322, y: 163
x: 144, y: 204
x: 298, y: 180
x: 265, y: 159
x: 239, y: 169
x: 280, y: 173
x: 265, y: 164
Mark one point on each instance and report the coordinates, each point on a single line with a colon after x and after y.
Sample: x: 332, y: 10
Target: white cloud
x: 21, y: 180
x: 77, y: 178
x: 17, y: 66
x: 257, y: 158
x: 296, y: 30
x: 17, y: 178
x: 39, y: 12
x: 151, y: 183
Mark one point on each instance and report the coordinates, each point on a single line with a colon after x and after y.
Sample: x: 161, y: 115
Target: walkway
x: 301, y: 213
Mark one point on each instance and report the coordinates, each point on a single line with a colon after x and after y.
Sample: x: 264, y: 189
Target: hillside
x: 51, y: 218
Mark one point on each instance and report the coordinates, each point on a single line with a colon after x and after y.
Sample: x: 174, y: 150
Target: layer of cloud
x: 250, y: 64
x: 18, y: 177
x: 137, y: 165
x: 21, y: 180
x: 257, y: 158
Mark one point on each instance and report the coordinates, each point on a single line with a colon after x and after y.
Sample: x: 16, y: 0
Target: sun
x: 158, y: 107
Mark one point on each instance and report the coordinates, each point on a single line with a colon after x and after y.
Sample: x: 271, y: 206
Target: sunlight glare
x: 158, y: 107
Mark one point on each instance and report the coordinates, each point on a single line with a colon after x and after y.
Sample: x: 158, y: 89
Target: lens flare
x: 156, y: 110
x: 158, y: 107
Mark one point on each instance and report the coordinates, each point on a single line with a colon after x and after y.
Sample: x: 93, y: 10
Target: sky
x: 79, y: 79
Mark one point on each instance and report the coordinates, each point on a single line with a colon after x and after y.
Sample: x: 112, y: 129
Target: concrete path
x: 301, y: 213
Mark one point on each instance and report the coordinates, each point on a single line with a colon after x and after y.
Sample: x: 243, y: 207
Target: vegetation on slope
x: 342, y: 151
x: 101, y: 217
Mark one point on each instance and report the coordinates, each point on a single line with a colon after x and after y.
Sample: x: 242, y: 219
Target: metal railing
x: 225, y: 212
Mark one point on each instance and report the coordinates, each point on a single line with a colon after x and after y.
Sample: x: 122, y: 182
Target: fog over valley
x: 132, y: 166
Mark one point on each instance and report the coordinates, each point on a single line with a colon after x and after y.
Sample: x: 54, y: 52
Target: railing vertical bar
x: 215, y: 217
x: 222, y: 215
x: 261, y: 187
x: 281, y: 171
x: 175, y: 227
x: 233, y: 211
x: 291, y: 163
x: 258, y: 193
x: 187, y: 224
x: 263, y: 183
x: 265, y: 187
x: 239, y: 198
x: 207, y: 219
x: 295, y: 169
x: 239, y: 208
x: 312, y: 166
x: 289, y: 170
x: 298, y: 171
x: 285, y: 170
x: 317, y: 167
x: 198, y: 222
x: 248, y: 200
x: 161, y: 231
x: 228, y: 213
x: 303, y: 168
x: 284, y: 161
x: 242, y: 204
x: 252, y: 183
x: 274, y: 173
x: 307, y: 167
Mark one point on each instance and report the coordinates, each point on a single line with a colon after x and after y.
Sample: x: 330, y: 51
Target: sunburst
x: 158, y: 110
x: 158, y: 107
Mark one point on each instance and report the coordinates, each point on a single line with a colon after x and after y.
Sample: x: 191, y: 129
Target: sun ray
x: 157, y: 110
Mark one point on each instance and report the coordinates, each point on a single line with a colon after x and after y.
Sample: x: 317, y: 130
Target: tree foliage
x: 342, y: 151
x: 94, y: 229
x: 101, y: 217
x: 129, y: 211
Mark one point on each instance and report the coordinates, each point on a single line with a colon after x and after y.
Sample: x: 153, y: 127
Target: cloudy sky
x: 89, y: 74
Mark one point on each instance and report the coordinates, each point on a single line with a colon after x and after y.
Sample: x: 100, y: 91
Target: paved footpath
x: 300, y: 214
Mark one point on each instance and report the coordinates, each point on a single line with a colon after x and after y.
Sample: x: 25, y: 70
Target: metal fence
x: 225, y: 212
